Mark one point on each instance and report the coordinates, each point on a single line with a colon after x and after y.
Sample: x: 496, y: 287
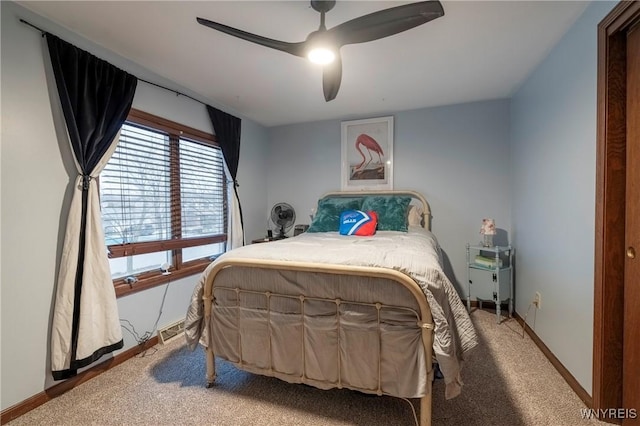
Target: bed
x: 370, y: 313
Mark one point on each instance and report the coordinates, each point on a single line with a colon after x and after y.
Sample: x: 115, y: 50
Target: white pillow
x: 414, y: 217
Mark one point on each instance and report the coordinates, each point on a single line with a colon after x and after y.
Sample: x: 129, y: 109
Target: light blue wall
x: 553, y: 139
x: 36, y: 166
x: 457, y: 156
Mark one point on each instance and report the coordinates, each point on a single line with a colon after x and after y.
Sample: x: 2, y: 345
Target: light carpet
x: 508, y: 381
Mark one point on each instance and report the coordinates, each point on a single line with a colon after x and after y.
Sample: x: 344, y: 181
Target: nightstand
x: 264, y: 240
x: 490, y: 276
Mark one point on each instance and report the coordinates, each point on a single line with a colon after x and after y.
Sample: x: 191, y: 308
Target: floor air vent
x: 170, y: 332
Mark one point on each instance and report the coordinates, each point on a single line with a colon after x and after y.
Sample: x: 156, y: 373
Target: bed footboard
x: 260, y: 337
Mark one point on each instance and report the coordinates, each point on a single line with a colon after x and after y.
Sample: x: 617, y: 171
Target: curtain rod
x: 141, y: 79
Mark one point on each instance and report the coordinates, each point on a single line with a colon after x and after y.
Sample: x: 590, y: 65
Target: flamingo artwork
x: 367, y: 153
x: 370, y: 145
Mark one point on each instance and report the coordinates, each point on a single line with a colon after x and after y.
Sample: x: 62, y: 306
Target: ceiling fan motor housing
x: 322, y: 5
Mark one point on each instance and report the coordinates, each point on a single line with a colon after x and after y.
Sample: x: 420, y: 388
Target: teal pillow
x: 327, y: 218
x: 392, y: 211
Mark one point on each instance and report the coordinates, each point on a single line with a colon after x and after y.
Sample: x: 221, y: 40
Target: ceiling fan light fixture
x: 323, y: 45
x: 321, y: 55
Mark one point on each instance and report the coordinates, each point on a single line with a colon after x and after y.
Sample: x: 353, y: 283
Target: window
x: 163, y: 200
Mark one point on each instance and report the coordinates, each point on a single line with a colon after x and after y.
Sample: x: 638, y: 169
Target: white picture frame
x: 367, y: 154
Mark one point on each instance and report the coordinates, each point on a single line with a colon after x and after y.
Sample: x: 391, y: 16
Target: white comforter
x: 415, y: 253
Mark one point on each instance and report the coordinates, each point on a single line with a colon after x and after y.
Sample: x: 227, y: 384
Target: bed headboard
x: 416, y: 199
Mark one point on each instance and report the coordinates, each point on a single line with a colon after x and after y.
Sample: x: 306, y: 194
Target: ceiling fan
x: 323, y: 46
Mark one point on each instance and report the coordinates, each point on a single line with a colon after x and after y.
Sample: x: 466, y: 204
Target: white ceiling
x: 478, y: 50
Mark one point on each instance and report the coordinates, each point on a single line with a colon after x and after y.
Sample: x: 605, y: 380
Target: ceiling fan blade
x: 331, y: 78
x: 296, y: 49
x: 386, y: 22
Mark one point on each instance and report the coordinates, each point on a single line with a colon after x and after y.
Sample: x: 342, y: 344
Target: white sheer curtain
x: 99, y: 323
x: 235, y: 231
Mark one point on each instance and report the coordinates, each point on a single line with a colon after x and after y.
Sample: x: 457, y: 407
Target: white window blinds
x: 135, y: 188
x: 202, y: 195
x: 160, y: 187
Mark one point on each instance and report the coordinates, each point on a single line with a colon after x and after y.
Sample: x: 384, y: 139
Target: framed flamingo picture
x: 367, y: 154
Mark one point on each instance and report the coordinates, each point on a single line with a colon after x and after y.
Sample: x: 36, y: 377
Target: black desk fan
x: 282, y: 216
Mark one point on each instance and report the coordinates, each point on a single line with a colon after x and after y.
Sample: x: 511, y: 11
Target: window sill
x: 154, y: 279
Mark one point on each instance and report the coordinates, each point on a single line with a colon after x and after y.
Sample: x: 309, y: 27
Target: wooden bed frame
x: 424, y: 317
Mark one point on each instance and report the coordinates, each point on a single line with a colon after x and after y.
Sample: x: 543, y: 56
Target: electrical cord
x: 524, y: 325
x: 413, y: 410
x: 164, y: 297
x: 148, y: 334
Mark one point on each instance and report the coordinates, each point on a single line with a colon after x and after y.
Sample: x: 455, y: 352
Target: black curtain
x: 227, y: 129
x: 96, y: 98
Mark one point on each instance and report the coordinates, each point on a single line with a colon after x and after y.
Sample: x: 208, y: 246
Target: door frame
x: 608, y: 313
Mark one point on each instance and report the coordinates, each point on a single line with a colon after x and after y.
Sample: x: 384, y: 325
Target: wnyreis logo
x: 610, y: 413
